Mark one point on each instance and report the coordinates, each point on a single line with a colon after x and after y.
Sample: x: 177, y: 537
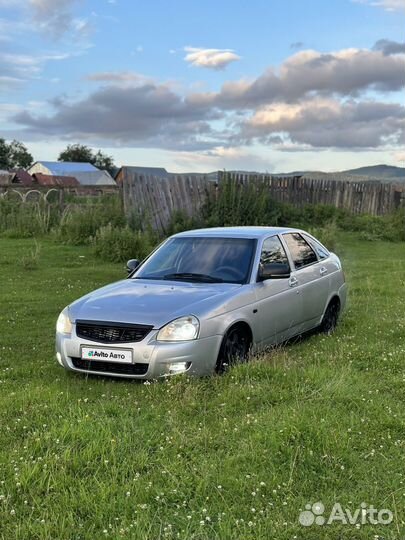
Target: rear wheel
x: 330, y: 318
x: 234, y: 349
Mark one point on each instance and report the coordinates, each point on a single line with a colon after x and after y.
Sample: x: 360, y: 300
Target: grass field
x: 235, y: 457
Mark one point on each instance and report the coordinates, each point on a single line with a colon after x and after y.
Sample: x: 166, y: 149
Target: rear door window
x: 301, y: 252
x: 321, y: 251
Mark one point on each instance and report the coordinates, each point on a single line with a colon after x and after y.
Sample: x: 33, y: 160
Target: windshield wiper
x: 190, y: 276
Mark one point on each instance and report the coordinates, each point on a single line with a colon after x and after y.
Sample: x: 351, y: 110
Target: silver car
x: 203, y: 300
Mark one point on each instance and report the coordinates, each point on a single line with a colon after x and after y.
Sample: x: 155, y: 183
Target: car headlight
x: 182, y: 329
x: 64, y: 324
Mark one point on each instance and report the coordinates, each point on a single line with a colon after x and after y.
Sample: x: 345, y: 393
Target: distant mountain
x: 378, y: 171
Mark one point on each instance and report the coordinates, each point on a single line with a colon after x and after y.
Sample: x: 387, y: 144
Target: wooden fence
x: 157, y: 198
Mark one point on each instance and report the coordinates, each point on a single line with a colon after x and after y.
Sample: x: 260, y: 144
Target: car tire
x: 234, y: 349
x: 330, y: 317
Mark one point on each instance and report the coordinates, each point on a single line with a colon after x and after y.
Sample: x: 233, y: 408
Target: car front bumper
x: 151, y: 359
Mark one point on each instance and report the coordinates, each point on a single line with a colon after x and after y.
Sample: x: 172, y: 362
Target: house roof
x: 65, y: 168
x: 159, y: 172
x: 20, y: 176
x: 53, y: 180
x: 95, y: 178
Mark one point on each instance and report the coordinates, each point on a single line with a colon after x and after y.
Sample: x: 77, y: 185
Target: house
x: 55, y: 181
x: 86, y: 173
x: 129, y: 171
x: 21, y: 178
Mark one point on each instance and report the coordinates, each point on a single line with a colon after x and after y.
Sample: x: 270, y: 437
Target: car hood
x: 150, y: 302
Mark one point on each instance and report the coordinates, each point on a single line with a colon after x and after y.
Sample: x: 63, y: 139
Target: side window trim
x: 290, y: 255
x: 287, y: 252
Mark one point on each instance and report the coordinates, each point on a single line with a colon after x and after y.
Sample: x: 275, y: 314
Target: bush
x: 390, y: 227
x: 240, y: 204
x: 180, y: 222
x: 327, y: 235
x: 121, y: 244
x: 79, y: 224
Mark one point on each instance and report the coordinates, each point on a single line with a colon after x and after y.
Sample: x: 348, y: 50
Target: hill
x: 378, y: 171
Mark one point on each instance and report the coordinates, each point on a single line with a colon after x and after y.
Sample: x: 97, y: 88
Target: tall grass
x: 237, y: 204
x: 117, y: 244
x: 24, y: 220
x: 80, y: 223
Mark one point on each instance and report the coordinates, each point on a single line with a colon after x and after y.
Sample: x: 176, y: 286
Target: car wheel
x: 330, y: 318
x: 234, y: 349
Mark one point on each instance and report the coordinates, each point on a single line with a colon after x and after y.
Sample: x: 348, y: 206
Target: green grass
x: 232, y: 457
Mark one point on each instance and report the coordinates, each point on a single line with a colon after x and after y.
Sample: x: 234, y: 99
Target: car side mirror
x: 274, y: 271
x: 132, y: 265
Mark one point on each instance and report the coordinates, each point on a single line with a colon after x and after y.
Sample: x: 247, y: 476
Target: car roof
x: 237, y: 232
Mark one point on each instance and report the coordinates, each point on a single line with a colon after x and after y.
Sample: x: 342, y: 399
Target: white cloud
x: 327, y: 123
x: 210, y: 58
x: 345, y: 72
x: 388, y: 5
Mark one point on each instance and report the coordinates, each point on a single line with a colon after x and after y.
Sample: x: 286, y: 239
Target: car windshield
x: 200, y: 259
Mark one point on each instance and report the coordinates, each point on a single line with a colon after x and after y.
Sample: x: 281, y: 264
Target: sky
x: 264, y: 85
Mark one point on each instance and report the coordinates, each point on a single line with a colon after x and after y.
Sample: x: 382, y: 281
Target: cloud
x: 400, y: 158
x: 388, y: 47
x: 54, y: 17
x: 328, y: 123
x: 388, y: 5
x: 147, y: 114
x: 210, y: 58
x: 345, y: 73
x: 17, y: 69
x: 221, y: 157
x: 119, y: 77
x: 313, y: 100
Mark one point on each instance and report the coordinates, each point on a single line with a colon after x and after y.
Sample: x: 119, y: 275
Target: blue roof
x: 60, y: 167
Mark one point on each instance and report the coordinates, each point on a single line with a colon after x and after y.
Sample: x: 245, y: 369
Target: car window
x: 191, y: 258
x: 301, y: 252
x: 273, y: 252
x: 321, y: 251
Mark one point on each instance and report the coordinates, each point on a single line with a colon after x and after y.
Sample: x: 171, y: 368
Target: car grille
x: 110, y: 367
x: 104, y: 332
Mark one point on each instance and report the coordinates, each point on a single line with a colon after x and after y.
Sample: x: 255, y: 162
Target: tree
x: 102, y: 161
x: 14, y: 155
x: 83, y: 154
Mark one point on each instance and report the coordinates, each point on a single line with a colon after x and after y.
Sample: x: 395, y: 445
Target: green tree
x: 83, y: 154
x: 102, y: 161
x: 14, y: 155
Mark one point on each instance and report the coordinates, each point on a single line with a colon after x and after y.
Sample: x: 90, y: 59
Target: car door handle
x: 293, y: 282
x: 323, y: 271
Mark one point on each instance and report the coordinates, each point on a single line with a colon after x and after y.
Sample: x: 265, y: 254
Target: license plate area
x: 106, y: 354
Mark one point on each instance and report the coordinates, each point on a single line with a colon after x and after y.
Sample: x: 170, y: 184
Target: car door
x: 279, y: 303
x: 312, y: 278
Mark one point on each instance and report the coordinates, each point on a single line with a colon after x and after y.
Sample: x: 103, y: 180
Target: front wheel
x: 330, y: 318
x: 234, y: 349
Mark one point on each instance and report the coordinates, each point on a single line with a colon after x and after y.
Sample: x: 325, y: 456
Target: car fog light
x: 179, y: 367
